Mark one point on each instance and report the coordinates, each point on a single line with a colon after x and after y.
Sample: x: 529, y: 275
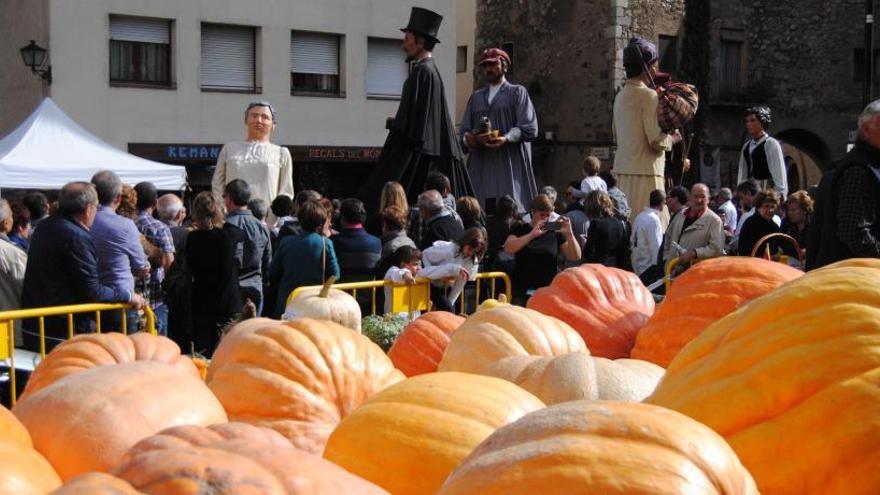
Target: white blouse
x: 266, y: 167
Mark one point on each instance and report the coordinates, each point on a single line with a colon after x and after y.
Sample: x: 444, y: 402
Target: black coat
x: 607, y: 243
x: 445, y: 228
x: 421, y: 139
x: 216, y: 298
x: 62, y: 269
x: 754, y: 228
x: 824, y: 245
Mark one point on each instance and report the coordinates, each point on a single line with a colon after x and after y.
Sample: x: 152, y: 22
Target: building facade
x: 803, y: 59
x: 169, y: 80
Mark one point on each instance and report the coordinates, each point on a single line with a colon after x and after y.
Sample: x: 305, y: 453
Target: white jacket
x: 443, y: 260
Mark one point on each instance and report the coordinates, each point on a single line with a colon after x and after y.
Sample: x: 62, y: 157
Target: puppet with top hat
x: 421, y: 138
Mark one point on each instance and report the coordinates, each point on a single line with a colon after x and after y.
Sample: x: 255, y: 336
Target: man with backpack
x: 641, y: 144
x: 846, y: 217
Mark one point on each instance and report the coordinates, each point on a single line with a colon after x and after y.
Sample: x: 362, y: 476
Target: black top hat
x: 424, y: 22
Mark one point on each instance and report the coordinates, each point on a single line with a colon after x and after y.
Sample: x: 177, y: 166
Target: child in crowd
x: 592, y: 181
x: 405, y: 265
x: 453, y: 259
x: 282, y: 209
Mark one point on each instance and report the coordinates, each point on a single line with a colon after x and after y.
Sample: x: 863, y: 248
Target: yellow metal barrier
x: 7, y: 335
x: 416, y: 297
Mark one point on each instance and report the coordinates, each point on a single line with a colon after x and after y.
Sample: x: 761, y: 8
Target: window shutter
x: 314, y: 53
x: 140, y: 29
x: 386, y: 67
x: 227, y: 57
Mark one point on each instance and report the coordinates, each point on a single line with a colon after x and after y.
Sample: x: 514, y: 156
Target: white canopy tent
x: 49, y: 150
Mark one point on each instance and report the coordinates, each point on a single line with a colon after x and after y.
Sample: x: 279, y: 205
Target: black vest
x: 756, y: 162
x: 823, y: 245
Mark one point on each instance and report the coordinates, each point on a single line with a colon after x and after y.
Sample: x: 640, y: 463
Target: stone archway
x: 806, y: 157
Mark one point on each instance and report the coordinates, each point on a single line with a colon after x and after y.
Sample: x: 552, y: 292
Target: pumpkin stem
x: 325, y: 289
x: 502, y: 298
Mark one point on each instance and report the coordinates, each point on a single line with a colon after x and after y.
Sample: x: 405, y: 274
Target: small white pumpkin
x: 326, y: 304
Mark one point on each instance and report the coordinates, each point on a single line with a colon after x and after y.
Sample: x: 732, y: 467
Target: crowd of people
x: 246, y: 244
x: 199, y: 269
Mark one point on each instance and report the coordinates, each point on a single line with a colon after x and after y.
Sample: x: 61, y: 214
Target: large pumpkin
x: 299, y: 377
x: 87, y: 351
x: 87, y: 420
x: 325, y: 303
x: 792, y: 381
x: 420, y: 347
x: 493, y: 334
x: 23, y: 471
x: 702, y: 295
x: 607, y: 306
x: 409, y: 437
x: 601, y: 447
x: 230, y: 458
x: 577, y: 375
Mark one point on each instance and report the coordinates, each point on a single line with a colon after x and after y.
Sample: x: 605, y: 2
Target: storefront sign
x: 208, y: 153
x: 334, y: 153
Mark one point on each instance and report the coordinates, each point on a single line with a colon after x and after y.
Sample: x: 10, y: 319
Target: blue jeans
x: 161, y: 312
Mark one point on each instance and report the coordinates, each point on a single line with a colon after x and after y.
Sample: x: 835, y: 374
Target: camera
x: 553, y: 226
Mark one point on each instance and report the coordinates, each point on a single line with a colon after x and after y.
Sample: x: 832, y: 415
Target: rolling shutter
x: 228, y: 57
x: 386, y: 67
x: 140, y: 29
x: 314, y: 53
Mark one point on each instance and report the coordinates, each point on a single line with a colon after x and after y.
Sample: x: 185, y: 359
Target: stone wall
x: 799, y: 61
x: 568, y: 54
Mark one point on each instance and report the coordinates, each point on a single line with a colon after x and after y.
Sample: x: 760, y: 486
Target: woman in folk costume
x: 761, y: 156
x: 266, y: 167
x: 641, y: 144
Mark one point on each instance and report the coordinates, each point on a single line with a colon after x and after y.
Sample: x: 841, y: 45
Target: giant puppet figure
x: 421, y: 137
x: 500, y: 164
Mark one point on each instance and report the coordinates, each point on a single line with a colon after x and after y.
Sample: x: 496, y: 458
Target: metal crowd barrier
x: 416, y: 297
x: 7, y: 333
x: 674, y: 262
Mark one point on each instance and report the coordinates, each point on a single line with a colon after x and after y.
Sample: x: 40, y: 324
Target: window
x: 859, y: 65
x: 668, y: 53
x: 730, y: 73
x: 386, y: 68
x: 140, y: 50
x: 314, y: 63
x: 228, y: 58
x: 461, y: 59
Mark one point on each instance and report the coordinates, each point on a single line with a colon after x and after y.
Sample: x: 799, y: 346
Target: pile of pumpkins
x: 749, y: 377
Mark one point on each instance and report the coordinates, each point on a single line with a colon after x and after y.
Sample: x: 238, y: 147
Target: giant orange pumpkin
x: 493, y: 334
x: 87, y: 420
x: 702, y: 295
x: 229, y: 459
x: 792, y: 381
x: 601, y: 447
x: 409, y: 437
x: 420, y: 346
x: 23, y: 471
x: 607, y: 306
x: 298, y: 377
x: 87, y: 351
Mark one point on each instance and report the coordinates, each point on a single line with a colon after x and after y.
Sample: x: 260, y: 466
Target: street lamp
x: 35, y: 56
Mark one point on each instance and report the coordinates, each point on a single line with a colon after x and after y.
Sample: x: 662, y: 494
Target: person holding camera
x: 536, y: 246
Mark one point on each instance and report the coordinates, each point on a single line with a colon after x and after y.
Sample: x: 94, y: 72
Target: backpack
x: 677, y: 105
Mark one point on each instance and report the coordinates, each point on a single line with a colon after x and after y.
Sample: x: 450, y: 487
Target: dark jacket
x: 846, y: 215
x: 215, y: 294
x: 357, y: 253
x: 607, y: 243
x: 257, y: 253
x: 62, y: 269
x: 753, y: 229
x: 441, y: 228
